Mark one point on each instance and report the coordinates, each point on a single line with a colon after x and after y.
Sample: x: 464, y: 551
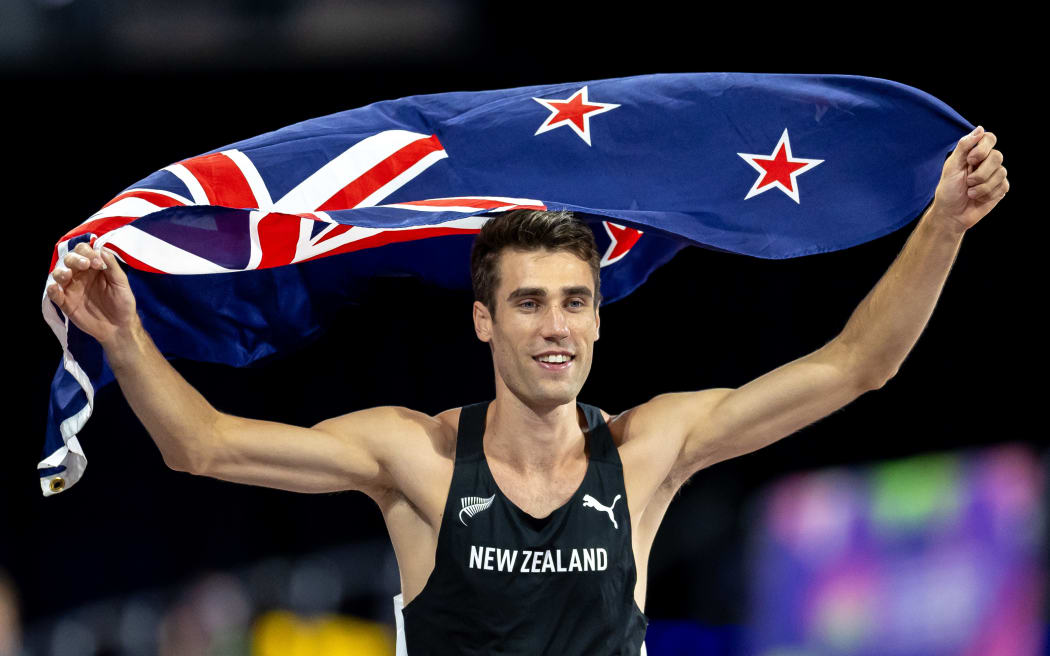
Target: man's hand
x: 972, y: 182
x: 93, y: 291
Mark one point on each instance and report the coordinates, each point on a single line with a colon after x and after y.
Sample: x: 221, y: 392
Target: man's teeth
x: 555, y: 358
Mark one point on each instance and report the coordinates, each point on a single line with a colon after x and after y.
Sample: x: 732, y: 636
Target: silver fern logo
x: 474, y: 505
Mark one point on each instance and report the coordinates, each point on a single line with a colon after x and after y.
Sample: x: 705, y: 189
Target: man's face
x: 545, y: 307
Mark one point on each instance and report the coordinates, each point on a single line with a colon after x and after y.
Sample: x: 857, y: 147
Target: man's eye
x: 528, y: 305
x: 577, y: 303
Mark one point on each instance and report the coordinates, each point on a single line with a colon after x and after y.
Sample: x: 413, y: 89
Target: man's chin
x: 554, y: 397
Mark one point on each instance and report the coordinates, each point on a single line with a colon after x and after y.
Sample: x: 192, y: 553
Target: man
x: 524, y: 525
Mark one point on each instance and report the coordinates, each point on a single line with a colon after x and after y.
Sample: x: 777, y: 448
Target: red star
x: 575, y: 112
x: 778, y: 170
x: 623, y: 240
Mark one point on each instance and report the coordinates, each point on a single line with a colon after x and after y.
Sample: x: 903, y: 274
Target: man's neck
x: 532, y: 438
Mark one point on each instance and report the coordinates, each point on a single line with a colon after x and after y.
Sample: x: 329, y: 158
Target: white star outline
x: 614, y: 241
x: 584, y: 134
x: 793, y: 193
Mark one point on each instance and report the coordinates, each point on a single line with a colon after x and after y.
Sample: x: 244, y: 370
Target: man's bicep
x: 725, y: 423
x: 343, y: 453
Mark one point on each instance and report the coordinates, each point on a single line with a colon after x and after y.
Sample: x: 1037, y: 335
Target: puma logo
x: 591, y: 502
x: 473, y: 505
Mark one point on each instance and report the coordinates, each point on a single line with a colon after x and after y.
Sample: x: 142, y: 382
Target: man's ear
x: 597, y: 325
x: 482, y: 321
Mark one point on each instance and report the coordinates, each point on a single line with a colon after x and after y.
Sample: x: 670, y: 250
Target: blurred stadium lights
x: 61, y: 35
x: 337, y: 601
x: 935, y: 555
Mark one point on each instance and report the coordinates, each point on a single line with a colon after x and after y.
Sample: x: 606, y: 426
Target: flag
x: 241, y: 252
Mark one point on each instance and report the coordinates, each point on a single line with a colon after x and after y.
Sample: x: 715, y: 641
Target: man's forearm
x: 176, y: 416
x: 887, y: 323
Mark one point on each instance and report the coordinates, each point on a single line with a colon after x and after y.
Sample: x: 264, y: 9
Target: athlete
x: 523, y: 525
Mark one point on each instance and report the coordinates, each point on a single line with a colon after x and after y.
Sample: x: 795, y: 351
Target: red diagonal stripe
x: 278, y: 236
x: 98, y: 226
x: 334, y: 232
x: 222, y: 181
x: 160, y: 200
x: 395, y: 236
x: 479, y: 203
x: 374, y: 178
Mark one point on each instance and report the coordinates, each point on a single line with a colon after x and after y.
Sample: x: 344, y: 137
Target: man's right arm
x: 347, y: 452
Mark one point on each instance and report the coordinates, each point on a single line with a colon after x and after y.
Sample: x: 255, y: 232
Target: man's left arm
x: 717, y: 424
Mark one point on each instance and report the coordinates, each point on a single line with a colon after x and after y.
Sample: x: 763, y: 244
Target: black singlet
x: 505, y: 582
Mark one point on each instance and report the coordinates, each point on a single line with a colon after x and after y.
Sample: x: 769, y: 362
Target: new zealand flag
x: 282, y: 229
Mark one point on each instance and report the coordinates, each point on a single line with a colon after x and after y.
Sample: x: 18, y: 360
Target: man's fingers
x: 987, y: 168
x: 82, y: 264
x: 57, y: 296
x: 958, y: 158
x: 77, y: 261
x: 85, y: 250
x: 984, y: 190
x: 980, y: 151
x: 111, y: 265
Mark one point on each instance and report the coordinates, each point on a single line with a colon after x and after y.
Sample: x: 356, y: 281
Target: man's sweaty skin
x: 534, y: 440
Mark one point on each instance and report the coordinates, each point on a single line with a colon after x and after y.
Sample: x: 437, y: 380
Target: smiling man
x: 523, y: 525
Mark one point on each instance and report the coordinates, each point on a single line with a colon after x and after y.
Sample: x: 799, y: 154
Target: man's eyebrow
x: 579, y: 290
x: 527, y: 291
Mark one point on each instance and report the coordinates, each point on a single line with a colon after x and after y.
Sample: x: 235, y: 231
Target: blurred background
x: 911, y: 522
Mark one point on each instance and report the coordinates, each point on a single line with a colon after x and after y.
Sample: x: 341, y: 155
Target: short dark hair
x: 528, y: 230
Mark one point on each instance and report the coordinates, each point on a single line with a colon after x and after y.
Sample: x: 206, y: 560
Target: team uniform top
x: 505, y: 582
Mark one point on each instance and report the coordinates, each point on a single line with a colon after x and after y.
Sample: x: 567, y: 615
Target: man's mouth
x: 555, y: 362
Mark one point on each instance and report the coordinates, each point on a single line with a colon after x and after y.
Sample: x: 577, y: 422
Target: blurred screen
x: 933, y: 555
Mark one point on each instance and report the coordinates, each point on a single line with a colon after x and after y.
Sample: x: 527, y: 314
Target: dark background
x: 99, y: 94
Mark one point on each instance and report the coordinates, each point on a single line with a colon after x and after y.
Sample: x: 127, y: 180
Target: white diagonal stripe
x: 510, y: 202
x: 162, y: 192
x: 349, y: 165
x: 313, y: 249
x: 401, y: 180
x: 252, y: 177
x: 158, y: 253
x: 255, y: 254
x: 130, y: 206
x: 188, y: 179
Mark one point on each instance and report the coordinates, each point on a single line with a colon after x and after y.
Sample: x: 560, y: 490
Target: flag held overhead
x: 291, y: 224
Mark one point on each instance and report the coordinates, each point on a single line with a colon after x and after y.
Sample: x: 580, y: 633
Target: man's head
x: 536, y: 286
x: 528, y: 230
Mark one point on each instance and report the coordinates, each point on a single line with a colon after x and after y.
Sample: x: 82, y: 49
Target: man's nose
x: 555, y: 323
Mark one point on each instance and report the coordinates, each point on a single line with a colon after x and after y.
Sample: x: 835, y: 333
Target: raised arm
x: 349, y: 452
x: 705, y: 427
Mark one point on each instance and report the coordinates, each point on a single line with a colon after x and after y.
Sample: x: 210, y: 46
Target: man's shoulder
x: 449, y: 420
x: 447, y: 423
x: 654, y: 419
x: 396, y: 428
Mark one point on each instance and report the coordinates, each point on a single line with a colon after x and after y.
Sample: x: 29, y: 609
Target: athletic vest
x: 507, y: 583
